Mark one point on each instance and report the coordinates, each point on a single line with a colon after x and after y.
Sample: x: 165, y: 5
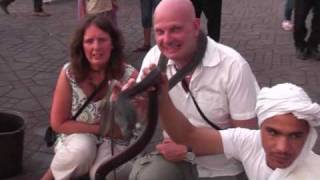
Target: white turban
x: 289, y: 98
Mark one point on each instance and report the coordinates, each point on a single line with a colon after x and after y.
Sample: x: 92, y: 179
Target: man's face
x: 283, y: 137
x: 176, y: 35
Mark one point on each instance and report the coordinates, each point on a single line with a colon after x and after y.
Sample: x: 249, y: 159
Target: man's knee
x: 153, y: 167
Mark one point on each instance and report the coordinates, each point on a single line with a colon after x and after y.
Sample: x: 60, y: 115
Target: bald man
x: 223, y: 86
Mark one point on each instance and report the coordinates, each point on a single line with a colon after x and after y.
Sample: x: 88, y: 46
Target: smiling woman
x: 96, y: 57
x: 97, y: 47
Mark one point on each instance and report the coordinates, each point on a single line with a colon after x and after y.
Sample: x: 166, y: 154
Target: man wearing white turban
x: 280, y: 150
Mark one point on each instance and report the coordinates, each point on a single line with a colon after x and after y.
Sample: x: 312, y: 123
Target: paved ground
x: 33, y: 49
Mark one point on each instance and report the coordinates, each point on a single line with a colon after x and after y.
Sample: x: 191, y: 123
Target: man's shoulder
x: 153, y: 54
x: 223, y: 53
x: 307, y: 169
x: 240, y: 134
x: 241, y: 143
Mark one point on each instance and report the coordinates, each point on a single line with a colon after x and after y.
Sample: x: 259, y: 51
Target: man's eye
x: 295, y: 136
x: 272, y: 132
x: 175, y: 29
x: 158, y: 32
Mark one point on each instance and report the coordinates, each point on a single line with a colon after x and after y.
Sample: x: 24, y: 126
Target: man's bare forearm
x: 173, y: 121
x: 203, y: 141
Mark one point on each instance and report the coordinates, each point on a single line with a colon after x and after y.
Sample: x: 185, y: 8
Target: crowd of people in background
x: 306, y: 39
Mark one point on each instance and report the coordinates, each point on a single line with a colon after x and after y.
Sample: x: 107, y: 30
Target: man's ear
x: 196, y: 25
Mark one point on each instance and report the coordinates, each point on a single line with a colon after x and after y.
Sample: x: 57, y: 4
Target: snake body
x: 127, y: 111
x: 124, y: 102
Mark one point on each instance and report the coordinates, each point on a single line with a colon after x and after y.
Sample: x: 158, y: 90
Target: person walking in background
x: 97, y: 60
x: 107, y: 8
x: 147, y: 8
x: 212, y: 11
x: 38, y: 9
x: 307, y: 48
x: 286, y: 24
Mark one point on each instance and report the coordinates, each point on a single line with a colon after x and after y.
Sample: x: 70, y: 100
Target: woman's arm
x: 60, y: 117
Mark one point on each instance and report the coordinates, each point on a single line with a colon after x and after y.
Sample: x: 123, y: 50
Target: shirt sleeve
x: 238, y: 143
x: 242, y: 88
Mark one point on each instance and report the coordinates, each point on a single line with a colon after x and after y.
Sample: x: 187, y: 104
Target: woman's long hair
x: 80, y: 65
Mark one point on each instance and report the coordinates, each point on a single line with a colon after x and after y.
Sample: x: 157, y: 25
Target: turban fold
x: 287, y: 98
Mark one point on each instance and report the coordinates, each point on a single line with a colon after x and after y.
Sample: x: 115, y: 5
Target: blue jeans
x: 147, y: 8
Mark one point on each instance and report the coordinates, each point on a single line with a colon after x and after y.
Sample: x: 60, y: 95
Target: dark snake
x: 123, y: 103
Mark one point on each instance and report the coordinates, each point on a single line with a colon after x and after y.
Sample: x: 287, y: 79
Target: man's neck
x: 183, y: 61
x: 180, y: 65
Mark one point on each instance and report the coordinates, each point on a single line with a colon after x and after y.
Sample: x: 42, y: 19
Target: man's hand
x: 163, y: 84
x: 118, y: 87
x: 172, y: 151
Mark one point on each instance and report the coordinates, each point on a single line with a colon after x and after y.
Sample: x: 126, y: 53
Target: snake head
x: 125, y: 114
